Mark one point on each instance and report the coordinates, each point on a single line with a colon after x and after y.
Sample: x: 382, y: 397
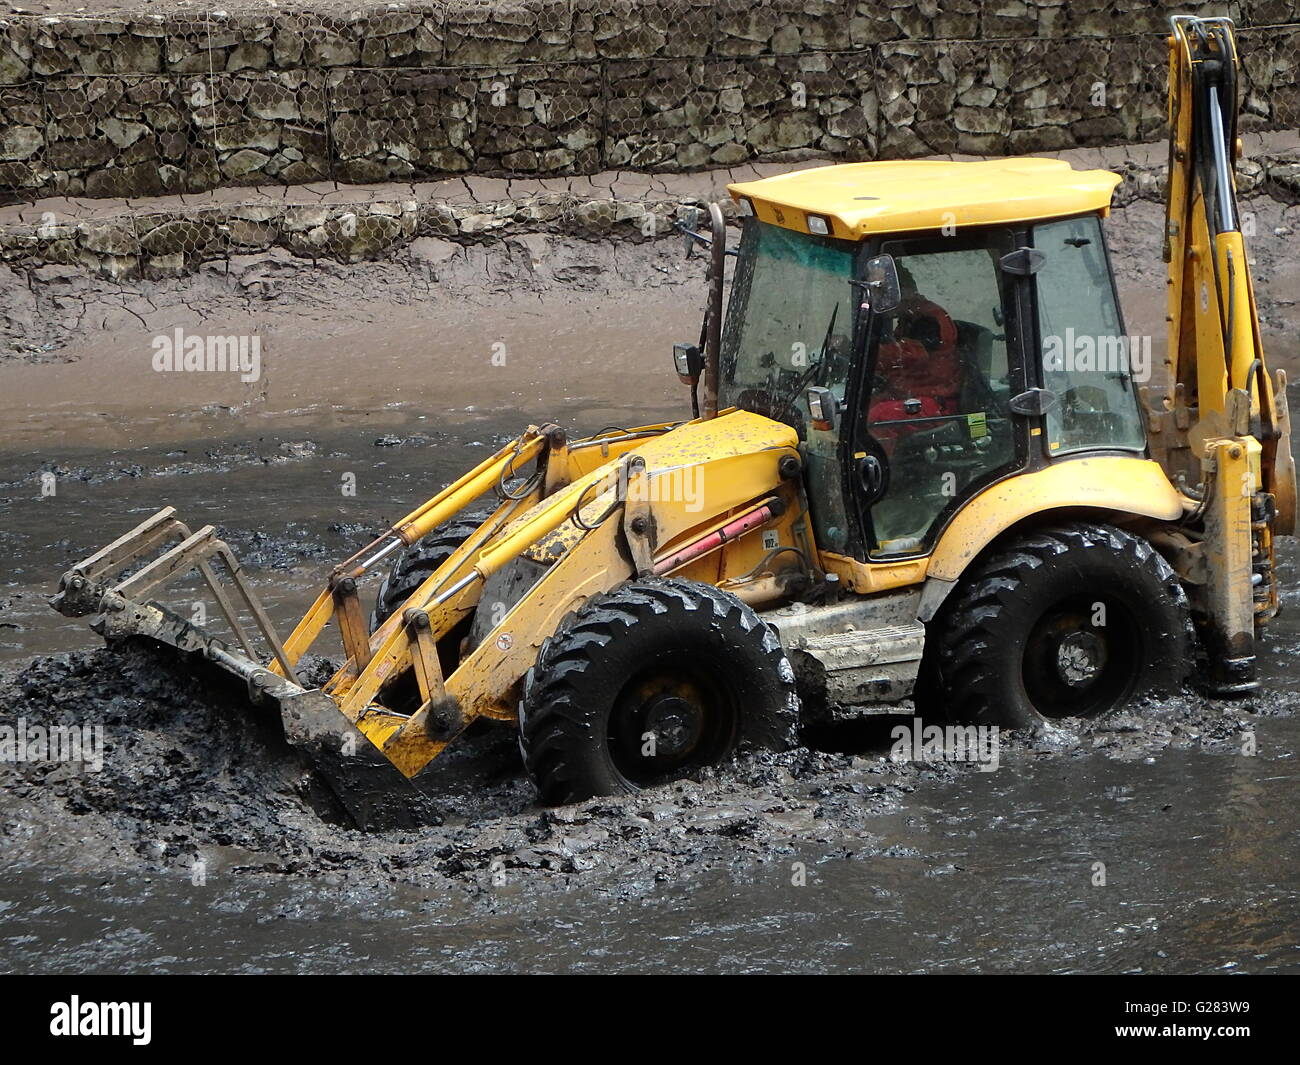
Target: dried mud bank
x: 192, y: 774
x: 58, y: 313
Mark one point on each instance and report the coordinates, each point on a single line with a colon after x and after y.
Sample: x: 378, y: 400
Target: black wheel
x: 1071, y: 621
x: 648, y: 683
x: 414, y: 565
x: 409, y: 570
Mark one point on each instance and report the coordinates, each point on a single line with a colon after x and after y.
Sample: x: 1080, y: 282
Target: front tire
x: 416, y: 564
x: 1072, y: 621
x: 649, y: 683
x: 412, y: 567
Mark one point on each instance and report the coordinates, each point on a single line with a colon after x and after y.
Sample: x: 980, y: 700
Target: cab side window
x: 1086, y: 356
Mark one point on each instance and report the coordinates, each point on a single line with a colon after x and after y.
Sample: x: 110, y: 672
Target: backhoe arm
x: 1223, y: 433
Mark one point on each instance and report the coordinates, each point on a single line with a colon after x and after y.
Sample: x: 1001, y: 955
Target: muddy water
x: 994, y: 875
x: 937, y: 871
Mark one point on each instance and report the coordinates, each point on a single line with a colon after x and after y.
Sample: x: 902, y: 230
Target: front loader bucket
x: 116, y: 584
x: 376, y: 796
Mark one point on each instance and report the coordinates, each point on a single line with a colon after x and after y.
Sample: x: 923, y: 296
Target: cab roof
x: 865, y: 199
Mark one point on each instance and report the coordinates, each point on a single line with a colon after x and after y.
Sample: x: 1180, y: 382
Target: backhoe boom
x: 1221, y: 427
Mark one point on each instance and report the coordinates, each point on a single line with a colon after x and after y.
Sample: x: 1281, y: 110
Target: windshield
x: 790, y: 303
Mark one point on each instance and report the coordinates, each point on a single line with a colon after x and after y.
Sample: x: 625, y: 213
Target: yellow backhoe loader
x: 926, y: 463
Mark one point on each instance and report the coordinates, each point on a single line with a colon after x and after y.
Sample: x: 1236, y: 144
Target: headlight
x: 819, y: 225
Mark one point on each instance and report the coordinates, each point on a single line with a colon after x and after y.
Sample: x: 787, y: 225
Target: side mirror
x: 688, y: 361
x: 823, y: 408
x: 882, y: 290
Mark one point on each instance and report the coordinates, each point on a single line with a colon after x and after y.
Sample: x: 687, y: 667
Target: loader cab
x: 928, y: 347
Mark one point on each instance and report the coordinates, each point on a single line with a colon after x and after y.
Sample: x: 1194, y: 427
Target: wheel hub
x: 1080, y: 658
x: 675, y: 723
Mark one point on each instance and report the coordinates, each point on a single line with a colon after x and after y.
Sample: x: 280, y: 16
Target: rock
x: 433, y: 251
x: 729, y: 155
x: 56, y: 273
x: 169, y: 265
x: 243, y: 162
x: 14, y: 70
x: 366, y: 238
x: 535, y: 245
x: 249, y: 56
x: 355, y: 136
x: 20, y: 142
x: 120, y: 183
x: 334, y: 52
x: 177, y: 235
x: 269, y: 100
x: 481, y: 223
x: 123, y: 134
x: 109, y: 238
x: 79, y: 154
x: 133, y: 54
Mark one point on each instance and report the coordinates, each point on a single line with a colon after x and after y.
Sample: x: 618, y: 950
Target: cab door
x: 935, y: 423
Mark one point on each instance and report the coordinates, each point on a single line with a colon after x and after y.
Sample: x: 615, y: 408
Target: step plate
x: 862, y: 666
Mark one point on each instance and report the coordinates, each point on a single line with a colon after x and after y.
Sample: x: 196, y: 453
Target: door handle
x: 873, y: 477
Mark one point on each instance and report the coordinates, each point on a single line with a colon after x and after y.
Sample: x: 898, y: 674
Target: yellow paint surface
x: 898, y: 196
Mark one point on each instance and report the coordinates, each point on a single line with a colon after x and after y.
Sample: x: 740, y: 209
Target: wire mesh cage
x: 199, y: 99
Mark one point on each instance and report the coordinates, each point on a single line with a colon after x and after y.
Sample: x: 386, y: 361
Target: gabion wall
x: 149, y: 105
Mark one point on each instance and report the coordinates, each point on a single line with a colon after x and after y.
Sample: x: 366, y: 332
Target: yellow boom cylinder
x: 454, y: 498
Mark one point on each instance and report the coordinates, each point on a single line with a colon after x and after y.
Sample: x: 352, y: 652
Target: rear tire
x: 1071, y: 621
x: 680, y: 661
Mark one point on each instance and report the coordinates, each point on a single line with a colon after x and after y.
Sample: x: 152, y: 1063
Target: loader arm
x: 624, y: 529
x: 1221, y: 427
x: 617, y: 527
